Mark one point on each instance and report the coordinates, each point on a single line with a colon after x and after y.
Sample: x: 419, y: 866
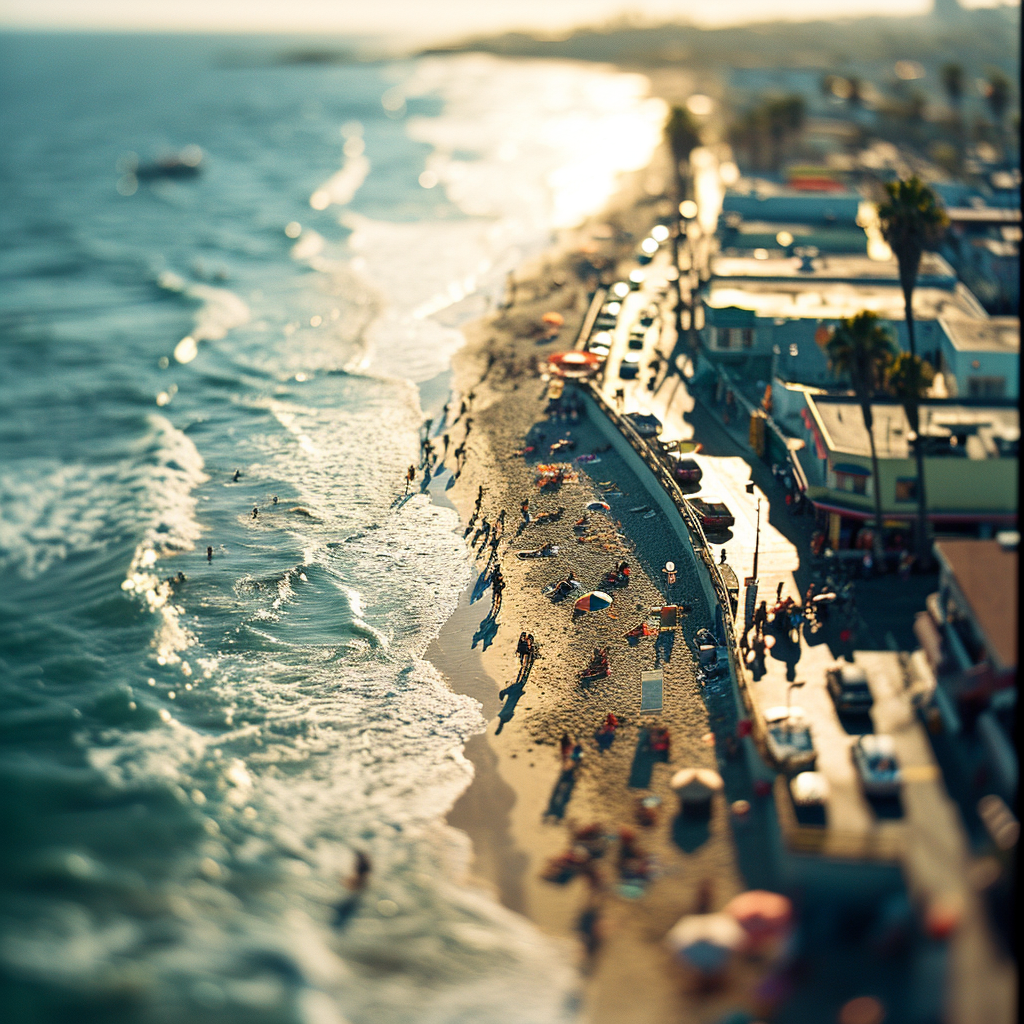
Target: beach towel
x: 651, y: 690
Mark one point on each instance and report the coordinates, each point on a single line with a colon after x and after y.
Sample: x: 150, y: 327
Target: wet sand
x: 518, y: 769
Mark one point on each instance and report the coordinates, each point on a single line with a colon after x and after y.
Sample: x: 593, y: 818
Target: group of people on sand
x: 526, y: 648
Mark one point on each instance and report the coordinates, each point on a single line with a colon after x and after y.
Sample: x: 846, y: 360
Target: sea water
x: 188, y: 765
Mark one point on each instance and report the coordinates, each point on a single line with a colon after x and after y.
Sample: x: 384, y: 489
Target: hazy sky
x: 434, y: 18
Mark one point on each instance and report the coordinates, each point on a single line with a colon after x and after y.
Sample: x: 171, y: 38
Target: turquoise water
x: 188, y: 765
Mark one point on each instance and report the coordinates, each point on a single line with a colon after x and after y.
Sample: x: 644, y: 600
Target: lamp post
x: 750, y: 583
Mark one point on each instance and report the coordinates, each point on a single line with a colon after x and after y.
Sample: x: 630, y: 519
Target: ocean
x: 189, y: 762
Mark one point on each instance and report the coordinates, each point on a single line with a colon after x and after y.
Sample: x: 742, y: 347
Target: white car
x: 875, y: 759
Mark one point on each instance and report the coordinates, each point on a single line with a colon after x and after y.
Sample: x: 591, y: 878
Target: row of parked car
x: 791, y: 745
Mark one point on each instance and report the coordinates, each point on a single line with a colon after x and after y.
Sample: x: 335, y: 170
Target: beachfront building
x: 768, y: 317
x: 983, y: 245
x: 968, y: 635
x: 980, y: 358
x: 970, y: 467
x: 780, y: 223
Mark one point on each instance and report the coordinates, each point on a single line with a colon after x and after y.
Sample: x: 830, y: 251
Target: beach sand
x: 517, y: 769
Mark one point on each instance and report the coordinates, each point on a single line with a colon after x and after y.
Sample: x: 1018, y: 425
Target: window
x: 853, y: 482
x: 748, y: 337
x: 906, y: 489
x: 986, y: 387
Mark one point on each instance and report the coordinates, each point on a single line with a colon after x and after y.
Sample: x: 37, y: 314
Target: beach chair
x: 672, y: 617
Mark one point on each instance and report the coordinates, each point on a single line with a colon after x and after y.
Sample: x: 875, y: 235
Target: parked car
x: 645, y: 424
x: 788, y: 739
x: 714, y: 515
x: 629, y: 371
x: 648, y: 316
x: 636, y: 340
x: 874, y: 757
x: 685, y: 471
x: 849, y: 688
x: 810, y: 793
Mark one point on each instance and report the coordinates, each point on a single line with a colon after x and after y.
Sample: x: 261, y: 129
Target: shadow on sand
x: 560, y: 794
x: 644, y: 760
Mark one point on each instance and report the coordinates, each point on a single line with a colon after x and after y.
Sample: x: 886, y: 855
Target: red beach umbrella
x: 573, y: 364
x: 763, y: 915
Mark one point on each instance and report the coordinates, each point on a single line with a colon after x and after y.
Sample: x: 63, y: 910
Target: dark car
x: 849, y: 688
x: 714, y: 515
x: 628, y: 371
x: 635, y: 342
x: 686, y: 471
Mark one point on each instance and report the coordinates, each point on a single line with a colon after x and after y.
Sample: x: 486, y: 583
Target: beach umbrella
x: 593, y: 602
x: 599, y: 506
x: 705, y: 941
x: 693, y: 784
x: 763, y: 916
x: 555, y: 319
x: 574, y: 364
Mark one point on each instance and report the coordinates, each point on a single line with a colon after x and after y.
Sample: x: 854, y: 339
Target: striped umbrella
x: 593, y: 602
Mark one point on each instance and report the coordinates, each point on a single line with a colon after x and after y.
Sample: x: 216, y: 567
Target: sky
x: 427, y: 19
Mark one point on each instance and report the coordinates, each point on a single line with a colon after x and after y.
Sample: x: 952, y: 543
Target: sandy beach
x: 512, y: 811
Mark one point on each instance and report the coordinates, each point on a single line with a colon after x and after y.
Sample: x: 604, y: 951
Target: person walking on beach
x: 255, y: 511
x: 497, y: 587
x: 566, y: 748
x: 524, y: 508
x: 410, y: 475
x: 446, y: 439
x: 522, y: 648
x: 479, y: 497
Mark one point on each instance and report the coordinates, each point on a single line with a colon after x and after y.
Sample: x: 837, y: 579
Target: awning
x: 851, y: 469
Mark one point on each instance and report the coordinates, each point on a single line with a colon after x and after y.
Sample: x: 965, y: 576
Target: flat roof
x: 983, y: 214
x: 986, y: 574
x: 996, y: 334
x: 851, y: 268
x: 843, y: 426
x: 818, y: 299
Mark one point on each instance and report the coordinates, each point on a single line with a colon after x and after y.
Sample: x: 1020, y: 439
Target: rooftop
x: 986, y: 574
x: 997, y: 334
x: 818, y: 299
x: 956, y: 429
x: 851, y: 268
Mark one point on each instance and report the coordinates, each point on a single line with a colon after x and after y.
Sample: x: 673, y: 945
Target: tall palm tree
x: 862, y: 349
x: 912, y: 220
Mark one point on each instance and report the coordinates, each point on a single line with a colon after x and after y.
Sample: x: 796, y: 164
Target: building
x: 983, y: 244
x: 970, y: 466
x: 980, y: 358
x: 969, y: 637
x: 770, y: 316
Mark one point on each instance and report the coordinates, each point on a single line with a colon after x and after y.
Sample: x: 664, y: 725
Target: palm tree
x: 953, y: 83
x: 862, y: 349
x: 912, y: 220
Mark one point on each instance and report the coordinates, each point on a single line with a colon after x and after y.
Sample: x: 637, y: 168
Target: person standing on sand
x: 255, y: 511
x: 479, y: 497
x: 525, y: 510
x: 409, y: 477
x: 522, y: 648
